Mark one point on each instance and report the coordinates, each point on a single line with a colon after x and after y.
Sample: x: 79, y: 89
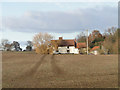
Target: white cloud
x: 64, y: 22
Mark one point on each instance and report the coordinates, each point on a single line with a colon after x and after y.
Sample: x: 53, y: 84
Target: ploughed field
x: 30, y: 70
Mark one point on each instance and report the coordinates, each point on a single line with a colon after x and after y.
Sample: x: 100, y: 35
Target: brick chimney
x: 60, y: 38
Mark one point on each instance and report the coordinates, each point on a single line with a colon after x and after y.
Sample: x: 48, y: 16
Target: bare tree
x: 41, y: 42
x: 55, y: 44
x: 81, y: 37
x: 4, y: 42
x: 111, y: 40
x: 8, y: 47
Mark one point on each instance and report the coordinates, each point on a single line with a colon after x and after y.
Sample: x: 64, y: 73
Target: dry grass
x: 30, y: 70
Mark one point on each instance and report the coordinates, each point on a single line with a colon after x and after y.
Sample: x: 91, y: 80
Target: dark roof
x: 66, y: 42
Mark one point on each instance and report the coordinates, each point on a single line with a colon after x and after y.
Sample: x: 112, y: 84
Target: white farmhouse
x: 67, y: 46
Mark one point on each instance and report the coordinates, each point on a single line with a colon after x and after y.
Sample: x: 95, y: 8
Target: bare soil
x: 30, y: 70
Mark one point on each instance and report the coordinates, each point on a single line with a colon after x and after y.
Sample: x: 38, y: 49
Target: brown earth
x: 30, y: 70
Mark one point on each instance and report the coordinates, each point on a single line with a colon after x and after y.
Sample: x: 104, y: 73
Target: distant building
x: 95, y: 50
x: 66, y: 46
x: 99, y: 50
x: 82, y: 48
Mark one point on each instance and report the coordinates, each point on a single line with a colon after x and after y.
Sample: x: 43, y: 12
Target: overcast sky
x: 20, y: 21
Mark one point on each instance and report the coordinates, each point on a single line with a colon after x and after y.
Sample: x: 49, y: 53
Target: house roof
x: 81, y: 45
x: 95, y: 48
x: 68, y: 42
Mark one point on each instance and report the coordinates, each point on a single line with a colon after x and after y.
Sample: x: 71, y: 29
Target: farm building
x: 95, y: 50
x: 64, y: 46
x: 99, y: 50
x: 68, y: 46
x: 82, y: 47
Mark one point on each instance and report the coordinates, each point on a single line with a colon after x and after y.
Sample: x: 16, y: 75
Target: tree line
x: 42, y: 41
x: 108, y: 39
x: 15, y: 45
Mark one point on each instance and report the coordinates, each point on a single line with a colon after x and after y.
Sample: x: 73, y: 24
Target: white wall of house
x: 63, y: 50
x: 76, y: 51
x: 71, y: 49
